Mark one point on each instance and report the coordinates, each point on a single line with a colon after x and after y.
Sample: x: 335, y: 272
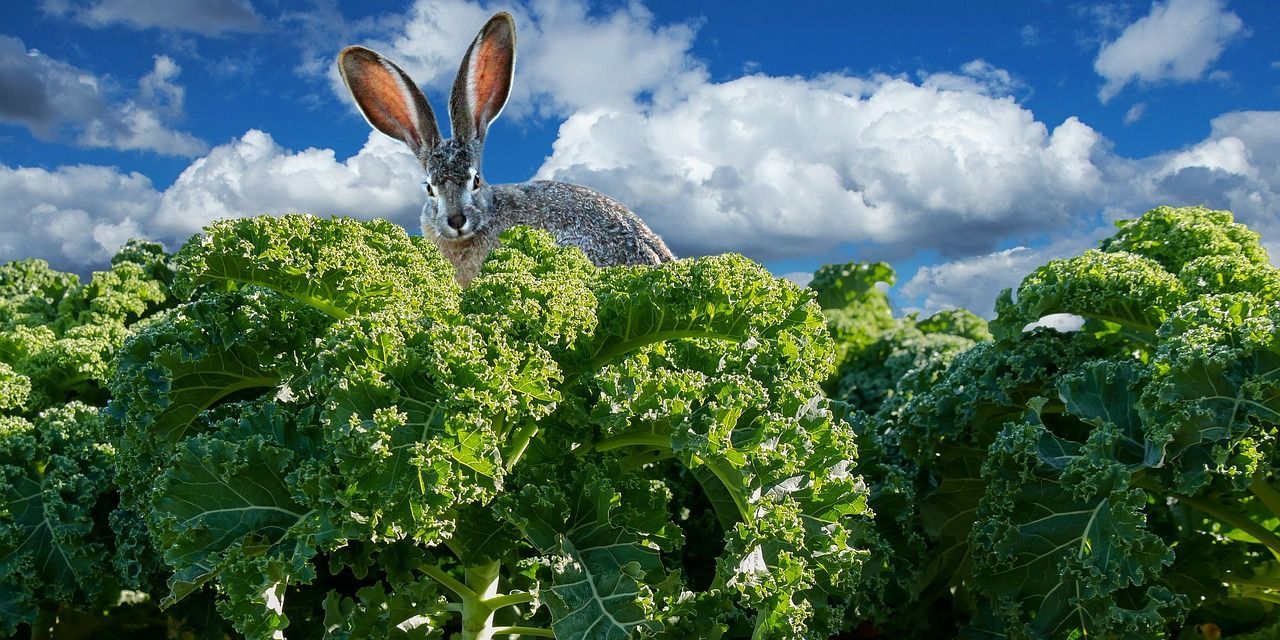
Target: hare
x: 463, y: 213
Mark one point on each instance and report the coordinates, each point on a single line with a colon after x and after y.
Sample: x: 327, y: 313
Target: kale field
x: 303, y: 428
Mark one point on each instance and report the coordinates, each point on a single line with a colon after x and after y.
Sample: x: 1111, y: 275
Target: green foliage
x: 1116, y: 481
x: 1175, y: 236
x: 856, y: 308
x: 518, y: 444
x: 67, y: 561
x: 322, y: 436
x: 882, y: 360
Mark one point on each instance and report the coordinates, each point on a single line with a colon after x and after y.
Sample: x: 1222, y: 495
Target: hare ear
x: 389, y: 100
x: 484, y: 78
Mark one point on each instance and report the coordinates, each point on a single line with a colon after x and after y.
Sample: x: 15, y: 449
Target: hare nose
x: 456, y: 221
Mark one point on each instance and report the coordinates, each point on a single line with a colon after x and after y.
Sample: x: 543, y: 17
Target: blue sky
x: 966, y: 143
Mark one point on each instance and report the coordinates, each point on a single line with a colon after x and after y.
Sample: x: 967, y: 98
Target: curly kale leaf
x: 603, y: 532
x: 30, y: 292
x: 902, y: 362
x: 956, y: 322
x: 856, y: 308
x: 216, y: 349
x: 340, y: 266
x: 534, y: 291
x: 514, y: 434
x: 725, y: 297
x: 1117, y: 480
x: 1175, y: 236
x: 1125, y: 289
x: 55, y: 481
x: 419, y: 418
x: 1214, y: 403
x: 1230, y: 274
x: 15, y: 388
x: 1054, y: 545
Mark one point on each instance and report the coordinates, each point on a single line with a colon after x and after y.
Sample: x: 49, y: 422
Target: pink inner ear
x: 382, y: 97
x: 492, y: 66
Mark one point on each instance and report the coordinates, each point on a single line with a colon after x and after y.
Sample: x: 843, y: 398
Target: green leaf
x: 224, y: 500
x: 1053, y: 557
x: 1175, y: 236
x: 726, y: 297
x: 1215, y: 392
x: 605, y: 555
x: 55, y: 476
x: 340, y: 266
x: 1129, y: 290
x: 219, y: 348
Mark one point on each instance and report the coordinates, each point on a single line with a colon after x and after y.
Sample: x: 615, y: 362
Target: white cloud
x: 973, y: 282
x: 1237, y: 167
x: 158, y: 90
x: 969, y: 283
x: 976, y: 76
x: 206, y: 17
x: 779, y: 167
x: 75, y: 217
x: 1177, y: 41
x: 1060, y: 322
x: 1135, y: 113
x: 253, y: 175
x: 51, y: 97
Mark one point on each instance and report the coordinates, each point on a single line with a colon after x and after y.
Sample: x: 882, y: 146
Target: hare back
x: 606, y: 230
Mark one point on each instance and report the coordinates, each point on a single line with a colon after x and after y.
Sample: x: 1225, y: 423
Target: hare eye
x: 475, y: 183
x: 426, y: 186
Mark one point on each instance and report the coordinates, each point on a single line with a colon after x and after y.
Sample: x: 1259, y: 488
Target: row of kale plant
x: 302, y: 427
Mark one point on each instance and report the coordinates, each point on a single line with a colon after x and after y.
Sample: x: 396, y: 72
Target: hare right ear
x: 484, y: 78
x: 389, y: 99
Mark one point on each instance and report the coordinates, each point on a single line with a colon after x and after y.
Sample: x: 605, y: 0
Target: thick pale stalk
x: 477, y: 614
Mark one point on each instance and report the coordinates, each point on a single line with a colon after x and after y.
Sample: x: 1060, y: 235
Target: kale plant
x: 341, y: 443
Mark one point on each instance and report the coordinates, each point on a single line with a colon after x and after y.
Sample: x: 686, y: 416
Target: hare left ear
x: 484, y: 78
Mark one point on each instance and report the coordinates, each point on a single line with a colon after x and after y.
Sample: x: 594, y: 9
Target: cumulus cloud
x: 1236, y: 167
x: 784, y: 167
x: 1177, y: 41
x: 51, y: 98
x: 205, y: 17
x: 254, y: 175
x: 75, y: 216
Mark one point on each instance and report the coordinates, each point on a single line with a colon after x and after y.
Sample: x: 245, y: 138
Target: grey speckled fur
x: 608, y: 232
x: 463, y: 214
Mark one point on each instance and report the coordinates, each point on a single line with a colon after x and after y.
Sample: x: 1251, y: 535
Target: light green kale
x: 506, y: 456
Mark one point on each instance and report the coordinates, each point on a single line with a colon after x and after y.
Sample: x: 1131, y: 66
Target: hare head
x: 459, y: 203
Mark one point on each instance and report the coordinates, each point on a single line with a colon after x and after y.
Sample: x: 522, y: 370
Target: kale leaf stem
x: 1266, y: 493
x: 461, y: 590
x: 1237, y: 520
x: 524, y: 631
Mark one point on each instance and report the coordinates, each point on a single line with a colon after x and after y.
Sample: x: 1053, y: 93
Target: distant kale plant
x: 67, y: 557
x: 1118, y: 481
